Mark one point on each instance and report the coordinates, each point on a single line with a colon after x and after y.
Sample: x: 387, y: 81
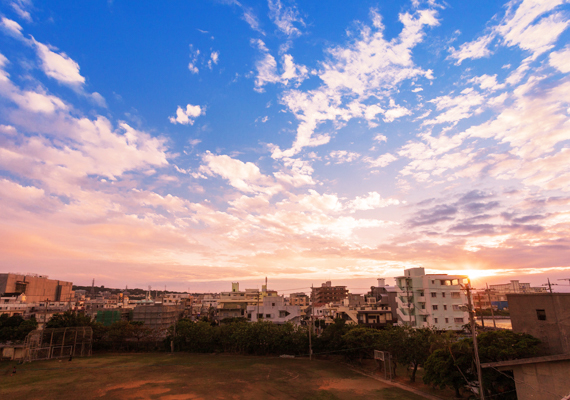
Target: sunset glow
x: 192, y: 144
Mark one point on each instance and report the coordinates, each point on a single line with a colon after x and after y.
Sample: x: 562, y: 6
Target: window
x: 248, y: 316
x: 455, y: 295
x: 435, y: 320
x: 433, y: 294
x: 458, y: 320
x: 541, y: 315
x: 423, y: 306
x: 443, y: 294
x: 447, y: 320
x: 421, y: 294
x: 434, y: 307
x: 425, y: 319
x: 455, y: 282
x: 259, y: 316
x: 272, y: 304
x: 433, y: 282
x: 456, y: 307
x: 442, y: 282
x: 267, y: 315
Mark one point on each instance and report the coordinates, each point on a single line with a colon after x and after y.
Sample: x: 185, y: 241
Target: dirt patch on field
x: 133, y: 385
x: 355, y: 385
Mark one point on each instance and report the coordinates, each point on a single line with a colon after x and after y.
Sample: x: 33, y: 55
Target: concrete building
x: 157, y: 316
x: 328, y: 293
x: 299, y: 299
x: 516, y: 287
x: 274, y: 309
x: 431, y: 300
x: 36, y: 287
x: 545, y: 316
x: 385, y: 296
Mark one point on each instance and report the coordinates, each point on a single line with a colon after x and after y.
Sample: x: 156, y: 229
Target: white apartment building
x: 436, y: 301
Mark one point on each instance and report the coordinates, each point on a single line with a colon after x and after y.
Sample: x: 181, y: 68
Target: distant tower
x: 93, y: 287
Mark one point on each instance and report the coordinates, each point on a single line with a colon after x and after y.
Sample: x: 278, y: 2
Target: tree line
x: 445, y: 357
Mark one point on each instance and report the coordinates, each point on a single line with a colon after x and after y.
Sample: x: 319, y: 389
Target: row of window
x: 456, y: 320
x: 456, y: 307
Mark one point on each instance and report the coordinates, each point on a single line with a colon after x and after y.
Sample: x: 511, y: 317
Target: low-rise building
x: 274, y: 309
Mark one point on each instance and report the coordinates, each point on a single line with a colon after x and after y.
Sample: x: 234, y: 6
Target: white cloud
x: 251, y: 19
x: 343, y: 156
x: 524, y: 26
x: 371, y: 201
x: 19, y: 6
x: 561, y: 60
x: 243, y: 176
x: 475, y: 49
x: 12, y: 27
x: 487, y: 82
x: 187, y: 117
x: 284, y: 17
x: 215, y: 56
x: 267, y: 69
x: 381, y: 161
x: 369, y: 66
x: 456, y: 108
x: 380, y: 138
x: 395, y: 112
x: 59, y: 66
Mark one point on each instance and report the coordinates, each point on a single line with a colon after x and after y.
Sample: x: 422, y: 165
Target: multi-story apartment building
x: 328, y: 293
x: 431, y: 300
x: 384, y: 295
x: 299, y: 299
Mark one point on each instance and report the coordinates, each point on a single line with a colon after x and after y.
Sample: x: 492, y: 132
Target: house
x: 435, y: 300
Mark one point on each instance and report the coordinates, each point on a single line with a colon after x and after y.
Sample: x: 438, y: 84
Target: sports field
x: 190, y: 376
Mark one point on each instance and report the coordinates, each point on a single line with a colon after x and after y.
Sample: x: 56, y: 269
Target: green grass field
x: 190, y: 376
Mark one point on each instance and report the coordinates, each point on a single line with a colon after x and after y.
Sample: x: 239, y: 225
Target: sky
x: 191, y: 144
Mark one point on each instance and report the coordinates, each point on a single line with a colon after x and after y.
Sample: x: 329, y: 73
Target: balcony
x: 405, y: 317
x: 421, y: 299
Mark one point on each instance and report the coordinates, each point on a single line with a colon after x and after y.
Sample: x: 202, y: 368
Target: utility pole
x: 549, y: 286
x: 481, y: 310
x: 491, y: 305
x: 311, y: 325
x: 475, y: 346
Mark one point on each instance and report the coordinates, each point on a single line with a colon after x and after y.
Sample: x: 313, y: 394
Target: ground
x: 190, y: 376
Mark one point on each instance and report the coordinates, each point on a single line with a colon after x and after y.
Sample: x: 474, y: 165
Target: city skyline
x: 192, y: 144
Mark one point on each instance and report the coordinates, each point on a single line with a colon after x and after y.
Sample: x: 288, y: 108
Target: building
x: 431, y: 300
x: 274, y: 309
x: 157, y: 316
x: 36, y: 287
x: 299, y: 299
x: 385, y: 296
x: 496, y: 295
x: 516, y: 287
x: 328, y: 294
x: 545, y: 316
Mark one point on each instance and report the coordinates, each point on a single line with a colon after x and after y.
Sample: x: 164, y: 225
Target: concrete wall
x: 554, y: 331
x: 543, y: 381
x: 37, y: 288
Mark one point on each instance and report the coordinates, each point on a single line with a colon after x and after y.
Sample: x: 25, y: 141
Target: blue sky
x: 191, y: 144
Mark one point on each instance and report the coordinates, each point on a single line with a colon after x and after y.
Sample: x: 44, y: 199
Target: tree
x: 416, y: 348
x: 68, y: 319
x: 450, y: 367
